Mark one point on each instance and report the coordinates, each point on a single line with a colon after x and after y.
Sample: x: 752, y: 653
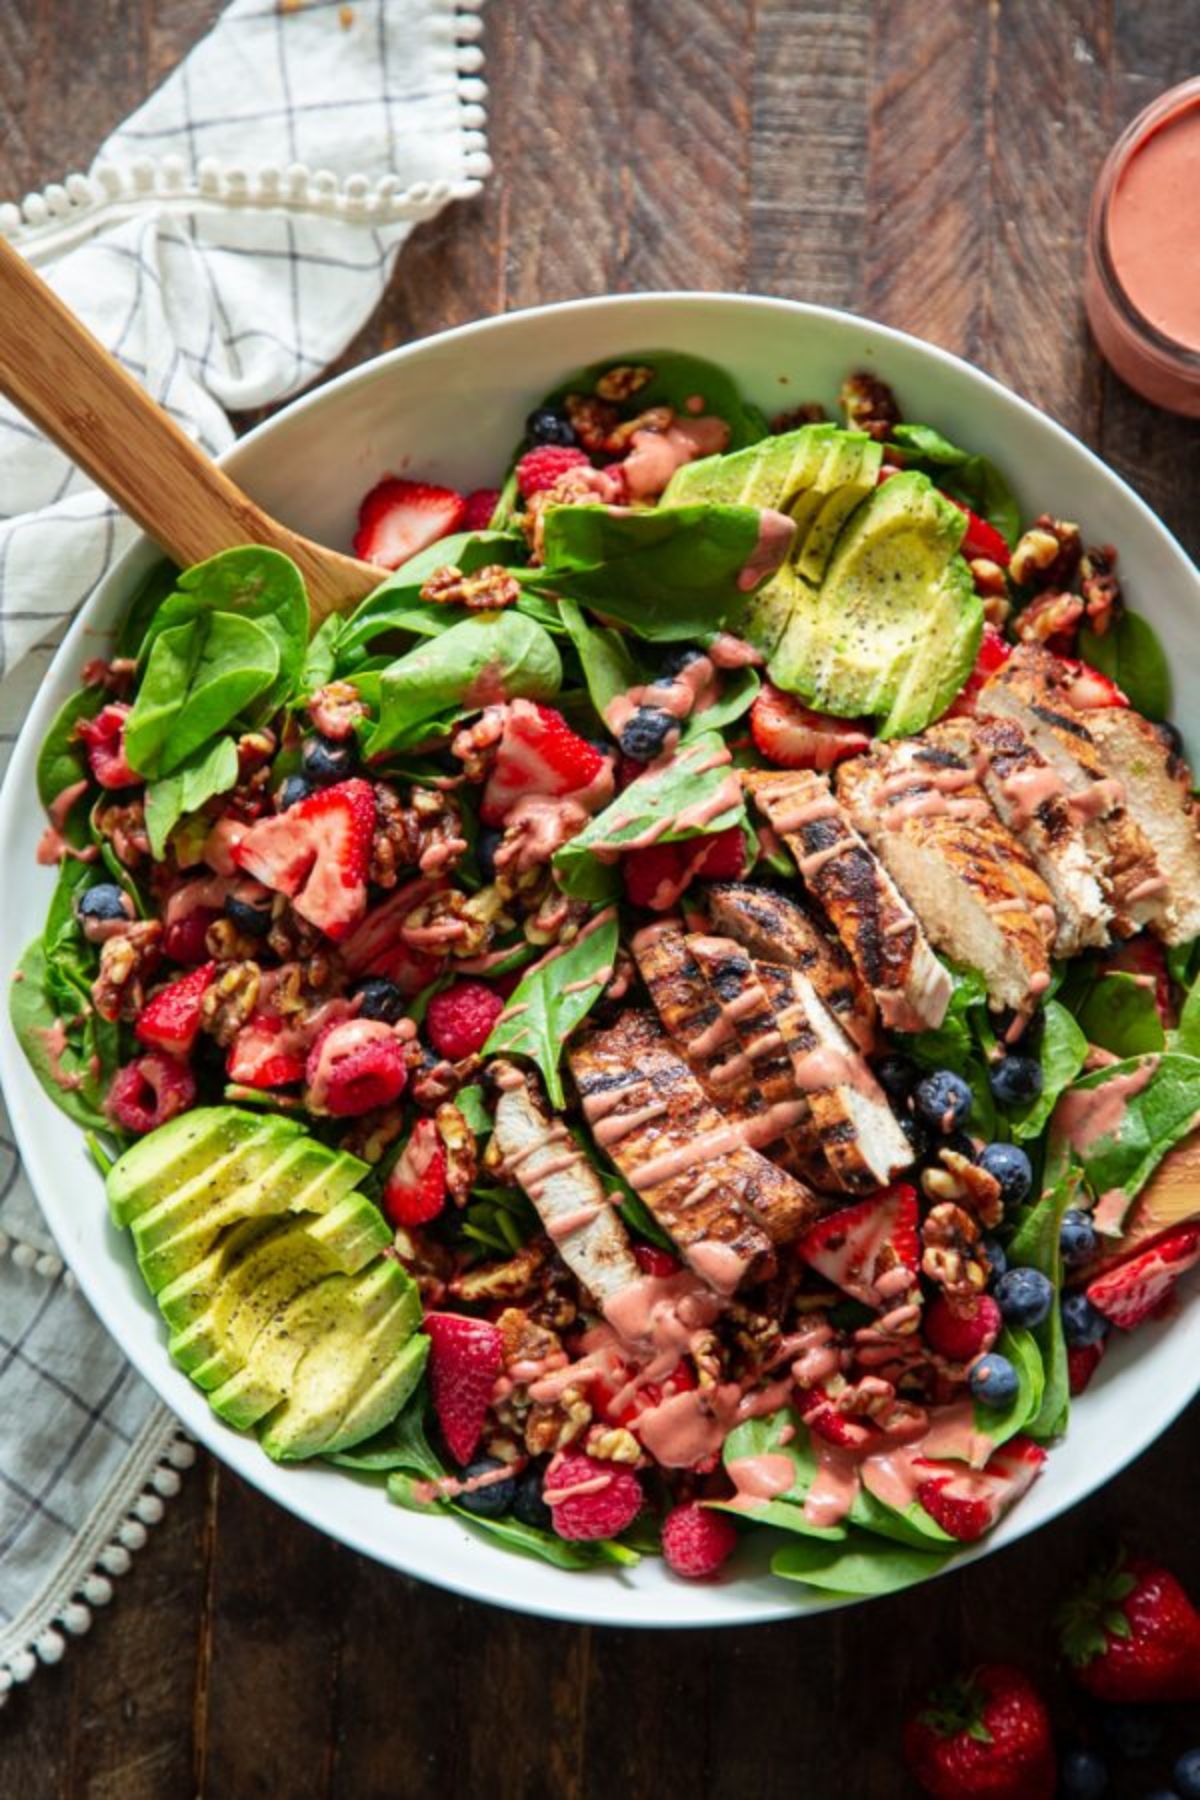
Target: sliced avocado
x: 382, y: 1311
x: 185, y: 1298
x: 770, y: 473
x: 767, y: 613
x: 380, y: 1404
x: 261, y: 1385
x: 895, y: 626
x: 850, y: 473
x: 157, y: 1165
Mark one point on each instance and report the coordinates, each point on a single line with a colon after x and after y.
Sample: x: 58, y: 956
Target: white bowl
x: 451, y: 407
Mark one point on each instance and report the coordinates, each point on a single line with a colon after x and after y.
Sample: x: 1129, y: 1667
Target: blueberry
x: 496, y: 1497
x: 251, y: 916
x: 943, y: 1100
x: 1082, y: 1324
x: 1186, y: 1775
x: 104, y: 901
x: 326, y: 760
x: 293, y: 790
x: 1077, y: 1237
x: 993, y: 1380
x: 960, y: 1143
x: 896, y: 1076
x: 1024, y: 1296
x: 1016, y: 1080
x: 486, y: 846
x: 645, y: 734
x: 546, y: 425
x: 380, y: 999
x: 1012, y: 1169
x: 675, y: 662
x: 1082, y: 1775
x: 994, y: 1250
x: 917, y: 1132
x: 528, y: 1505
x: 1136, y: 1731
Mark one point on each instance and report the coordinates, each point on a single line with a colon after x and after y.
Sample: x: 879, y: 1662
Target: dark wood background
x: 927, y: 162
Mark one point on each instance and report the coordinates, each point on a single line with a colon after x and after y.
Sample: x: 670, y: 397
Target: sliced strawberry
x: 653, y: 1261
x: 1089, y: 690
x: 170, y: 1019
x: 994, y: 652
x: 465, y: 1357
x: 723, y: 857
x: 318, y: 852
x: 614, y: 1399
x: 103, y: 739
x: 354, y: 1066
x: 656, y: 875
x: 1130, y: 1293
x: 589, y: 1498
x: 1082, y: 1362
x: 415, y: 1190
x: 1145, y: 958
x: 479, y: 509
x: 960, y: 1336
x: 791, y: 736
x: 858, y: 1247
x: 375, y: 946
x: 820, y: 1414
x: 981, y: 538
x: 967, y: 1502
x: 262, y: 1056
x: 398, y: 518
x: 537, y: 754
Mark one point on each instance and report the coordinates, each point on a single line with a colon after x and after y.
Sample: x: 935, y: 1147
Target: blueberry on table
x: 993, y: 1380
x: 1082, y: 1775
x: 1082, y: 1324
x: 495, y: 1497
x: 103, y: 902
x: 546, y: 425
x: 1011, y: 1168
x: 380, y: 998
x: 1077, y: 1237
x: 251, y: 916
x: 645, y: 734
x: 1186, y: 1775
x: 325, y: 760
x: 897, y: 1076
x: 1016, y: 1080
x: 528, y: 1505
x: 1024, y: 1296
x: 292, y: 791
x: 943, y: 1100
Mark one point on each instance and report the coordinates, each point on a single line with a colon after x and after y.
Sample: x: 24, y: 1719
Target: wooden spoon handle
x: 62, y: 379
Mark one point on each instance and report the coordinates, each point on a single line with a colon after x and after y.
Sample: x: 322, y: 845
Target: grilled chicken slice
x: 1158, y: 796
x: 772, y: 926
x: 695, y: 1018
x: 1028, y: 796
x: 856, y: 1127
x: 565, y: 1189
x: 874, y: 922
x: 1034, y: 687
x: 973, y: 886
x: 694, y: 1168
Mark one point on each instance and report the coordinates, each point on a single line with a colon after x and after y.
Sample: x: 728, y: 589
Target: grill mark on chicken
x: 1158, y: 788
x: 1061, y: 722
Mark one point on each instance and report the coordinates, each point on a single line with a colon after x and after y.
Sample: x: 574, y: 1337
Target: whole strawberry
x: 1132, y: 1633
x: 987, y: 1733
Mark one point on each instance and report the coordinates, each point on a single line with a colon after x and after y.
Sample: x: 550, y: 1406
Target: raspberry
x: 353, y: 1067
x: 459, y: 1020
x: 415, y: 1191
x: 540, y: 469
x: 653, y: 1261
x: 149, y: 1091
x: 465, y: 1357
x: 183, y: 942
x: 696, y: 1541
x: 724, y: 857
x: 480, y: 507
x: 591, y: 1499
x: 103, y: 739
x: 960, y: 1337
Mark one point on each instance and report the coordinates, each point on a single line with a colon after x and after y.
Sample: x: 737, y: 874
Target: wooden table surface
x: 924, y: 162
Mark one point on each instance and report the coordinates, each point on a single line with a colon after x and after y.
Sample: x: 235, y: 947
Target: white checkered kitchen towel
x: 227, y: 243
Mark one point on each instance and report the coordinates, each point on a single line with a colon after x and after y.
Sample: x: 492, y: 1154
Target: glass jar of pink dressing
x: 1142, y: 287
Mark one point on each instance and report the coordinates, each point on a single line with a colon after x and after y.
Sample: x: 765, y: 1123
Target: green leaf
x: 1183, y: 963
x: 528, y: 1540
x: 552, y: 1001
x: 66, y: 1074
x: 1035, y: 1245
x: 667, y: 574
x: 663, y: 806
x: 974, y: 480
x: 211, y: 770
x: 254, y: 584
x: 860, y: 1565
x: 396, y: 604
x: 1146, y: 1123
x: 61, y: 761
x: 199, y: 676
x: 1186, y: 1036
x: 1121, y: 1015
x: 1001, y: 1423
x: 148, y: 596
x: 402, y: 1445
x: 1062, y: 1053
x: 476, y: 663
x: 472, y: 1106
x: 1130, y: 654
x: 738, y: 689
x: 604, y: 655
x: 321, y: 657
x: 678, y: 378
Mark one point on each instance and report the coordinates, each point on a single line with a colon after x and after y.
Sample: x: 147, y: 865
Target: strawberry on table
x: 986, y: 1733
x: 170, y: 1019
x: 1131, y: 1633
x: 318, y: 852
x: 465, y: 1357
x: 398, y: 518
x: 792, y: 736
x: 538, y: 754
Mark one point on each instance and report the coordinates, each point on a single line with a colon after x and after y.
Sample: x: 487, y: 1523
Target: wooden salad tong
x: 67, y: 384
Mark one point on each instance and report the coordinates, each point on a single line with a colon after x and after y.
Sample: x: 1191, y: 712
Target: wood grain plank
x: 648, y: 1730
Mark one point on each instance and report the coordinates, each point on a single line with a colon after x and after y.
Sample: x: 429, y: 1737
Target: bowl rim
x: 242, y: 1453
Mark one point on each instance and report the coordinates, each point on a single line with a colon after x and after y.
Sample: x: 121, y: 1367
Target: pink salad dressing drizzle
x: 1086, y: 1115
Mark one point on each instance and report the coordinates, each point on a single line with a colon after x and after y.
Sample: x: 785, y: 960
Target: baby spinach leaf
x: 1146, y: 1124
x: 1183, y: 963
x: 396, y: 604
x: 251, y: 583
x: 604, y: 655
x: 544, y: 610
x: 470, y: 1103
x: 1062, y: 1053
x: 738, y: 689
x: 528, y: 1540
x: 199, y: 676
x: 1035, y: 1245
x: 148, y: 596
x: 663, y: 806
x: 1186, y: 1036
x: 321, y: 657
x: 778, y: 1434
x: 552, y: 1000
x: 668, y: 574
x: 1121, y: 1015
x: 400, y: 1445
x: 61, y: 761
x: 678, y: 378
x: 481, y: 660
x: 1130, y: 654
x: 66, y: 1074
x: 860, y: 1565
x: 213, y: 769
x: 1001, y: 1423
x: 974, y: 480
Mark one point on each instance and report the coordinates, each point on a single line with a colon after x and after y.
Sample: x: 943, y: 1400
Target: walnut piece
x: 869, y: 404
x: 1100, y: 587
x: 1051, y: 616
x: 591, y: 419
x: 950, y: 1254
x: 126, y: 959
x: 124, y: 825
x: 335, y: 709
x: 623, y: 382
x: 426, y: 834
x: 809, y: 412
x: 458, y: 1141
x: 1047, y: 555
x: 488, y: 590
x: 229, y: 1001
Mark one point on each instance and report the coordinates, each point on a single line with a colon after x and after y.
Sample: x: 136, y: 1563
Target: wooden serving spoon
x: 67, y: 384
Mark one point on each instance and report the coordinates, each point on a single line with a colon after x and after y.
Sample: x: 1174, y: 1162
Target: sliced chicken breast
x: 876, y: 925
x: 562, y: 1184
x: 1158, y: 794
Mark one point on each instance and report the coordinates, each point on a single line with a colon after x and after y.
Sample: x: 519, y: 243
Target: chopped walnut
x: 292, y: 938
x: 961, y: 1179
x: 1052, y: 616
x: 229, y: 1001
x: 591, y: 419
x: 336, y: 709
x: 553, y: 1427
x: 951, y: 1257
x: 434, y: 1081
x: 613, y: 1443
x: 488, y: 590
x: 1100, y: 587
x: 430, y: 1263
x: 1047, y: 555
x: 458, y: 1140
x: 655, y: 419
x: 521, y: 1339
x: 124, y: 825
x: 869, y: 404
x: 577, y: 487
x: 475, y: 745
x: 371, y: 1135
x: 126, y: 959
x: 225, y: 943
x: 425, y: 835
x: 254, y: 748
x: 455, y: 924
x: 623, y: 382
x: 809, y: 412
x: 511, y: 1280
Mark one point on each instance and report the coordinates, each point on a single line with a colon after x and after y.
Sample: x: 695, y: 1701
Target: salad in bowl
x: 674, y: 1019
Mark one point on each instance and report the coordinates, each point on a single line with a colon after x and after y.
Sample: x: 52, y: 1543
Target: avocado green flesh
x: 849, y: 481
x: 770, y: 473
x: 153, y: 1168
x: 380, y: 1404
